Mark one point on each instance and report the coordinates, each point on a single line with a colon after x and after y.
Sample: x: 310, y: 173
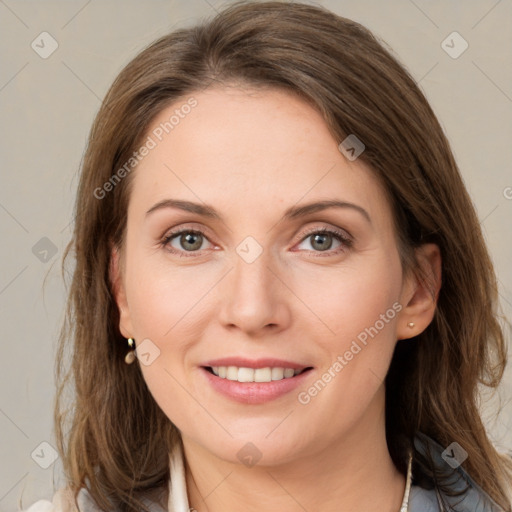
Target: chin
x: 253, y: 447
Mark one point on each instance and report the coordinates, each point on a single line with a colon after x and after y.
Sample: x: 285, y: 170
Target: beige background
x: 47, y: 107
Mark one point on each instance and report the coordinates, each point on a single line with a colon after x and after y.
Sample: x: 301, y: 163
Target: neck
x: 353, y: 473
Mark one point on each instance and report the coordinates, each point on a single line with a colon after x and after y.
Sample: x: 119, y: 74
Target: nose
x: 254, y: 298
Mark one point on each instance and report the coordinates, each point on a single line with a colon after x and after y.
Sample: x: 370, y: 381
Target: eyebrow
x: 291, y: 213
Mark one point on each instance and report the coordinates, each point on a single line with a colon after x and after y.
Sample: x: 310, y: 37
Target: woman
x: 270, y: 214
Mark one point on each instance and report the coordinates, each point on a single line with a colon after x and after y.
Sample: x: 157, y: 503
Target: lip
x: 265, y: 362
x: 253, y: 393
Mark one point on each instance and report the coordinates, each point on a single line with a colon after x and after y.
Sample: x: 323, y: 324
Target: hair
x: 114, y: 438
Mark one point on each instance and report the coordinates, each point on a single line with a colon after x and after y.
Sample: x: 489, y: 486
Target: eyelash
x: 339, y: 235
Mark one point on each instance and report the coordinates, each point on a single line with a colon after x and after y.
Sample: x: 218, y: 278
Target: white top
x: 178, y: 500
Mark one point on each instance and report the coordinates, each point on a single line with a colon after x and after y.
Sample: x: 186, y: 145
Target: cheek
x: 359, y: 304
x: 167, y: 307
x: 163, y: 299
x: 348, y: 301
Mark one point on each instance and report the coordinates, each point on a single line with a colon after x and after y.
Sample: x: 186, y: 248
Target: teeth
x: 253, y: 375
x: 232, y: 373
x: 277, y: 373
x: 245, y: 375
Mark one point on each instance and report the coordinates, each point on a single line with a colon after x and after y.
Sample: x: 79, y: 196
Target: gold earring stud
x: 411, y: 324
x: 130, y: 356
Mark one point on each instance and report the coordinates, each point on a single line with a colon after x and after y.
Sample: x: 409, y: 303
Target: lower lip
x: 255, y: 392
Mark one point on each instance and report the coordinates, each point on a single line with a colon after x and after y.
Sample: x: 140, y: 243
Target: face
x: 248, y: 277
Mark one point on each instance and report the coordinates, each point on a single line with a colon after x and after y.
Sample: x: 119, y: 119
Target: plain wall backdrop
x: 58, y: 59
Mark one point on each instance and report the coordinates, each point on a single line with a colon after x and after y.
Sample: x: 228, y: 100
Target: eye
x: 192, y: 240
x: 188, y: 240
x: 322, y: 240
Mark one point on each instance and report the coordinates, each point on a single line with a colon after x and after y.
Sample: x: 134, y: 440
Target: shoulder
x: 470, y: 497
x: 63, y: 502
x: 422, y: 499
x: 40, y: 506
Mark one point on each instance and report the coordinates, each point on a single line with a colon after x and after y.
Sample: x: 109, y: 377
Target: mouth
x: 257, y: 385
x: 260, y: 375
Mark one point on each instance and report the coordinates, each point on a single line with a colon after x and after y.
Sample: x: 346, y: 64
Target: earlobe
x: 119, y: 292
x: 420, y: 293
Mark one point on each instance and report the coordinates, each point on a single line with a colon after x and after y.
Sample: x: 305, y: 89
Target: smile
x: 254, y: 382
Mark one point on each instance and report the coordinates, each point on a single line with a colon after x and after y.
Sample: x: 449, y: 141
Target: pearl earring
x: 130, y: 356
x: 411, y: 324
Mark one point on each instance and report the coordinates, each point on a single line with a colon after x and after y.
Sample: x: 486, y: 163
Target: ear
x: 119, y: 292
x: 420, y: 294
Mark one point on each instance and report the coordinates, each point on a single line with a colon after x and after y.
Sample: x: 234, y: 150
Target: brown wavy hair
x: 113, y: 438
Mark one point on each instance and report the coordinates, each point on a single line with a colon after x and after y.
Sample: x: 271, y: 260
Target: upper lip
x: 265, y: 362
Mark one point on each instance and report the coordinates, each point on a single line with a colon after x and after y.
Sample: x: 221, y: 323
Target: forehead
x: 240, y: 147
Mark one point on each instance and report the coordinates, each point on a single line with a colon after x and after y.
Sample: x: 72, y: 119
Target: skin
x: 251, y: 155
